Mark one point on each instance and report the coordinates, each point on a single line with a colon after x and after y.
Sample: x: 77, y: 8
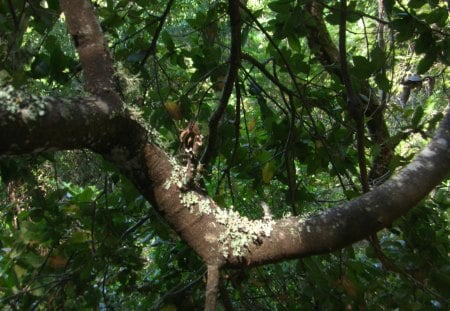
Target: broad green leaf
x: 333, y: 17
x: 438, y: 16
x: 382, y: 81
x: 426, y: 62
x: 362, y: 67
x: 167, y: 40
x: 416, y: 4
x: 417, y: 117
x: 406, y: 26
x: 423, y: 42
x: 377, y: 58
x: 281, y: 6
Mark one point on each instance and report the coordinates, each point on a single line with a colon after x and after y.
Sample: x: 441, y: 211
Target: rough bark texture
x: 92, y: 48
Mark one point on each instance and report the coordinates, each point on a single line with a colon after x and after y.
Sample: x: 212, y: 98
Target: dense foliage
x: 76, y: 234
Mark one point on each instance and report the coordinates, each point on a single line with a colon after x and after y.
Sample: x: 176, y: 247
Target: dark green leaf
x: 382, y: 82
x: 377, y: 58
x: 416, y: 4
x: 167, y: 40
x: 388, y: 5
x: 281, y: 6
x: 423, y: 42
x: 438, y: 16
x: 417, y: 117
x: 426, y: 62
x: 406, y: 26
x: 362, y: 67
x: 333, y: 17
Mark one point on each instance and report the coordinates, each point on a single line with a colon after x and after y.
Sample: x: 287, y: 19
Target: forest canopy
x: 229, y: 155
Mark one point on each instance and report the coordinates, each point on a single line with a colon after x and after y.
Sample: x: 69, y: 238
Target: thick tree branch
x: 210, y: 230
x: 362, y: 216
x: 31, y: 124
x: 234, y: 62
x: 92, y: 48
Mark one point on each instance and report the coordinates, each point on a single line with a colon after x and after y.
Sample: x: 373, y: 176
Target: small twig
x: 268, y: 75
x: 134, y: 227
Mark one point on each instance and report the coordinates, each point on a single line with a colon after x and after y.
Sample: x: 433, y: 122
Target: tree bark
x: 205, y: 226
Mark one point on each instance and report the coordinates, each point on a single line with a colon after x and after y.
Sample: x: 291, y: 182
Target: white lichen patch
x: 191, y: 199
x: 240, y: 232
x: 178, y: 176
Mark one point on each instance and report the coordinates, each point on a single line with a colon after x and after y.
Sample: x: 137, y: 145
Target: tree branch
x: 32, y: 124
x: 152, y: 49
x: 353, y: 101
x: 321, y: 44
x: 362, y: 216
x: 206, y: 227
x: 234, y: 62
x: 212, y: 287
x: 268, y: 75
x: 92, y: 48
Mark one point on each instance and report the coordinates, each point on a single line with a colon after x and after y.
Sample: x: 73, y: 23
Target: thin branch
x: 13, y: 14
x: 234, y: 62
x: 353, y: 101
x: 152, y: 49
x: 268, y: 75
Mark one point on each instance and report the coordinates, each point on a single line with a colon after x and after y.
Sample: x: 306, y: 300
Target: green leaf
x: 382, y: 81
x: 426, y: 62
x: 333, y: 18
x: 268, y: 171
x: 438, y: 16
x: 41, y: 66
x: 352, y: 16
x: 416, y: 4
x: 423, y: 42
x: 388, y: 5
x: 417, y: 117
x: 377, y: 58
x: 167, y: 40
x: 363, y: 68
x: 79, y: 237
x: 281, y: 6
x: 406, y: 26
